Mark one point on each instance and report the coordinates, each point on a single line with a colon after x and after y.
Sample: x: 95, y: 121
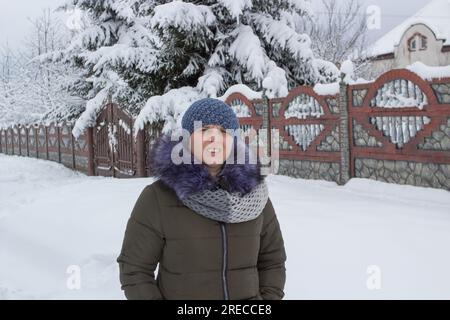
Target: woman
x: 209, y: 224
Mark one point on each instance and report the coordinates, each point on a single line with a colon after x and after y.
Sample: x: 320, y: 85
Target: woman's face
x: 211, y: 144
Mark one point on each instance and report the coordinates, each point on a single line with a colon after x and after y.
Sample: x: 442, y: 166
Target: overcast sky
x: 14, y: 15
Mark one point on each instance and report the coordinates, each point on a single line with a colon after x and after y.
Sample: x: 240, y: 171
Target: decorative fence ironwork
x: 396, y: 129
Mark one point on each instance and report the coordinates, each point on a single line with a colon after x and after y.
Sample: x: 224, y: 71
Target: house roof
x: 435, y: 15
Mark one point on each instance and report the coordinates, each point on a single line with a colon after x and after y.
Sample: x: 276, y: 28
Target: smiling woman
x: 211, y: 145
x: 210, y: 225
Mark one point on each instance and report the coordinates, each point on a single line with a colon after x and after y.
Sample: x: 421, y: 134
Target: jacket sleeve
x: 141, y: 249
x: 271, y: 258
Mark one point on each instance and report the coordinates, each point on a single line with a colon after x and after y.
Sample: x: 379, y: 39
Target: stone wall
x: 404, y: 172
x: 362, y: 138
x: 442, y: 91
x: 310, y: 169
x: 439, y: 139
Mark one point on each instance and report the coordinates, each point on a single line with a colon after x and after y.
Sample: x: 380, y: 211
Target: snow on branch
x: 279, y: 33
x: 247, y: 49
x: 236, y: 7
x: 123, y: 9
x: 168, y: 107
x: 112, y: 85
x: 89, y: 116
x: 348, y: 71
x: 120, y: 54
x: 183, y: 15
x: 275, y: 82
x: 94, y: 35
x: 327, y: 71
x: 303, y: 6
x: 218, y: 58
x: 211, y: 81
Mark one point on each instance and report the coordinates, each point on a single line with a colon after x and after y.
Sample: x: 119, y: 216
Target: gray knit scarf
x: 228, y: 207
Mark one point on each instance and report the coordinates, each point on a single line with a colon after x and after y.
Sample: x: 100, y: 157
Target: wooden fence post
x: 28, y: 144
x: 46, y: 142
x: 36, y: 140
x: 6, y: 141
x: 20, y: 139
x: 58, y: 132
x: 13, y: 149
x: 14, y: 138
x: 90, y: 146
x: 140, y: 153
x: 72, y: 142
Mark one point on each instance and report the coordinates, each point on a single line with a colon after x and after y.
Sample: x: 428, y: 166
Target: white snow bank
x: 331, y: 89
x: 429, y: 73
x: 241, y: 88
x: 52, y: 218
x: 362, y: 81
x: 328, y: 89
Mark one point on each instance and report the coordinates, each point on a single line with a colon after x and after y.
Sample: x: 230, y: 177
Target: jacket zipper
x: 225, y: 260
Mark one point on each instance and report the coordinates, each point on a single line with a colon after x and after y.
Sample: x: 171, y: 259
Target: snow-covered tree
x: 9, y: 65
x: 116, y: 53
x: 215, y: 44
x: 133, y: 50
x: 338, y: 32
x: 31, y: 90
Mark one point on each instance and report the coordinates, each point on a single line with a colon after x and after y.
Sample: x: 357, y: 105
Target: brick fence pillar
x: 264, y: 136
x: 344, y: 139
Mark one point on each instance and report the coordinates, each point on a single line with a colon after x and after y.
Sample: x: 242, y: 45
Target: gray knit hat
x: 210, y: 111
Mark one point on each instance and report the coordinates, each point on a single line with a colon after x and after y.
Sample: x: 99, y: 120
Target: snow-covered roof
x: 435, y: 15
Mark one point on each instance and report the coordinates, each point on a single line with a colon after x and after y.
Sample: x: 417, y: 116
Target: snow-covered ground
x: 337, y: 238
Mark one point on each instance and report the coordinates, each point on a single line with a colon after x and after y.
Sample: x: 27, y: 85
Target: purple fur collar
x: 188, y: 178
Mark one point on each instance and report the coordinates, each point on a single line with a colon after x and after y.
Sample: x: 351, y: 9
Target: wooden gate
x: 114, y: 146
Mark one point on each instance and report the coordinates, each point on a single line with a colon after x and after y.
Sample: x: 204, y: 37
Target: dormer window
x: 413, y: 44
x: 423, y: 43
x: 417, y: 42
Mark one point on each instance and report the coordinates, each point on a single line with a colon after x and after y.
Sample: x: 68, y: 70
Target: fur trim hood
x: 189, y: 178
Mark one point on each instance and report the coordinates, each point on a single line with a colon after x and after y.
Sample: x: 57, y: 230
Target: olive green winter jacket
x: 199, y: 258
